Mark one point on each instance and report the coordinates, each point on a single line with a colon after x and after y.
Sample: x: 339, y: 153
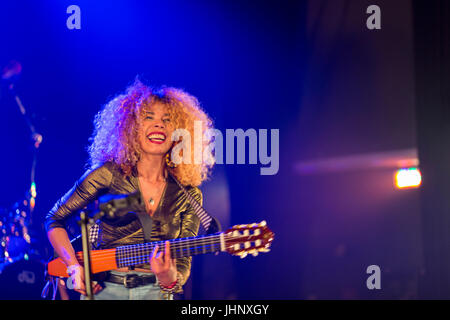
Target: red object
x: 173, y: 284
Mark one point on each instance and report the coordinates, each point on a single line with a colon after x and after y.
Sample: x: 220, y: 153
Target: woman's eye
x: 167, y: 120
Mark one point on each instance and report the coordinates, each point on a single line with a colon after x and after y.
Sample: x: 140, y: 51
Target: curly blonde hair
x: 115, y: 137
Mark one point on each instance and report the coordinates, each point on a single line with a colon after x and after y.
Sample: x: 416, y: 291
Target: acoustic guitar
x: 239, y: 240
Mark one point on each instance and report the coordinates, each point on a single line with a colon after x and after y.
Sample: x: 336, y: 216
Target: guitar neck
x: 182, y: 247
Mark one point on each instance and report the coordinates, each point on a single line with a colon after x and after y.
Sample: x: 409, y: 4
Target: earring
x: 169, y: 162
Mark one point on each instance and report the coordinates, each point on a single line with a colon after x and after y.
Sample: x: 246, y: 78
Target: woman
x: 130, y: 152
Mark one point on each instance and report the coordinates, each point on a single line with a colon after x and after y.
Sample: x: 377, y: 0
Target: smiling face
x: 155, y: 130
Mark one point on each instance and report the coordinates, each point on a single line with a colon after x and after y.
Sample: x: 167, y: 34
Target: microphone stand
x: 36, y: 138
x: 108, y: 210
x: 84, y: 221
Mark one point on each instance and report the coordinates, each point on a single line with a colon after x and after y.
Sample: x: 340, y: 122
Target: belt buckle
x: 129, y: 281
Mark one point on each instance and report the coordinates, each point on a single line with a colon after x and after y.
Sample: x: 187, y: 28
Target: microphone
x: 9, y: 74
x: 112, y: 206
x: 11, y: 70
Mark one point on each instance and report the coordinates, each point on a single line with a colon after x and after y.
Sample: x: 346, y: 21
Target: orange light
x: 32, y: 203
x: 408, y: 178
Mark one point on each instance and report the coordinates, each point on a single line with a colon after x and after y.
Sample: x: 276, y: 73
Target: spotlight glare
x: 408, y: 178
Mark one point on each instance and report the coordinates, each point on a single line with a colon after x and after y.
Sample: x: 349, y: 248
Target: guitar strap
x: 147, y: 223
x: 210, y: 224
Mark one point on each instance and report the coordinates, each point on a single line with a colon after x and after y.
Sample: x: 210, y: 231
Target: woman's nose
x: 159, y: 124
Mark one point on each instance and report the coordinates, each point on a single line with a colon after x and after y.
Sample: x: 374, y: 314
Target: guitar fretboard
x: 182, y: 247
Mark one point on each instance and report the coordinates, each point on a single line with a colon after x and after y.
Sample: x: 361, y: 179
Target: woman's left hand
x: 163, y: 266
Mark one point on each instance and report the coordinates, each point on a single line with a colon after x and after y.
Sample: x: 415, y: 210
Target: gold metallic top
x: 174, y: 217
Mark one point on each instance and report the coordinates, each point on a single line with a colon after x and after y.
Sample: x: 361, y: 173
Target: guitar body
x: 101, y: 260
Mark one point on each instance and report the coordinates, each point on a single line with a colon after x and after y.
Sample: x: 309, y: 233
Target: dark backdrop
x: 433, y: 118
x: 311, y: 69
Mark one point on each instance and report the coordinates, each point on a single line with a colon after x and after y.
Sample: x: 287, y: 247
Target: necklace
x: 151, y: 200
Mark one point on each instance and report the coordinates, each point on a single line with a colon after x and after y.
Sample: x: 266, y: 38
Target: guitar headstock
x: 245, y: 239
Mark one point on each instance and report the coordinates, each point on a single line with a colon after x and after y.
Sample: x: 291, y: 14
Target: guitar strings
x: 142, y: 255
x: 142, y: 248
x: 139, y: 253
x: 175, y: 245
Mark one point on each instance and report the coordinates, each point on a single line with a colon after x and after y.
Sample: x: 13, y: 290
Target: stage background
x: 312, y: 69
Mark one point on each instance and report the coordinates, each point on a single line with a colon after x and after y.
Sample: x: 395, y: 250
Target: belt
x: 131, y: 280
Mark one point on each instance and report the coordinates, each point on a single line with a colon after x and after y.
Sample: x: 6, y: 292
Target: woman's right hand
x: 76, y: 273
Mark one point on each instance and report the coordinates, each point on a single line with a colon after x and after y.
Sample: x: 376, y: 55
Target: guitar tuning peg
x: 255, y: 253
x: 263, y: 223
x: 243, y: 255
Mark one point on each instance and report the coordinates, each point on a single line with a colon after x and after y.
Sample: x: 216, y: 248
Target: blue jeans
x: 114, y: 291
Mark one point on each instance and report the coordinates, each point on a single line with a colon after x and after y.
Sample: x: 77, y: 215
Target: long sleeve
x: 189, y: 228
x: 85, y: 190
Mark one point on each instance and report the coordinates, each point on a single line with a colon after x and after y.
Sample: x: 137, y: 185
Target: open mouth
x: 156, y: 137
